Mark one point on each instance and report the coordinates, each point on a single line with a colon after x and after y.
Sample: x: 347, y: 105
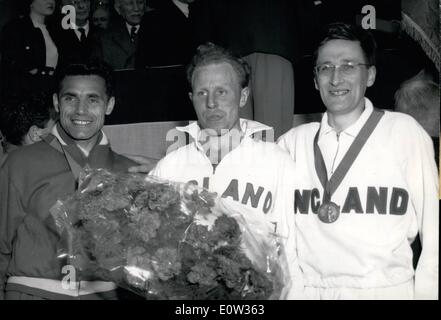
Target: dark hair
x: 343, y: 31
x: 209, y: 53
x: 18, y: 115
x: 91, y: 68
x: 24, y: 6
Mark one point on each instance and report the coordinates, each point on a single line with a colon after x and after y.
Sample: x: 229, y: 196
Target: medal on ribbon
x: 329, y: 211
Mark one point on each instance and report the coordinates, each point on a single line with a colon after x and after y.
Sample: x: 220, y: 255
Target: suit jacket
x: 71, y: 49
x: 22, y: 49
x: 166, y: 37
x: 281, y: 27
x: 116, y: 48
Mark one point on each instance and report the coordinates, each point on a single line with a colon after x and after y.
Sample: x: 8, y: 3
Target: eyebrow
x: 343, y: 61
x: 68, y: 93
x: 73, y: 94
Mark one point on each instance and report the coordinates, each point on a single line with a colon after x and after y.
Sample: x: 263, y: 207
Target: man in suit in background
x: 118, y: 44
x: 166, y: 36
x: 76, y: 43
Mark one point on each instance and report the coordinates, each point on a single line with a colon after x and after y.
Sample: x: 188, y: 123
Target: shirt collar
x: 129, y: 27
x: 37, y: 24
x: 86, y: 27
x: 354, y: 128
x: 182, y: 6
x: 249, y: 127
x: 86, y: 30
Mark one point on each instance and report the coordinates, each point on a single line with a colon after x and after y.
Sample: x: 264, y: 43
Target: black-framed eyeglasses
x: 327, y: 69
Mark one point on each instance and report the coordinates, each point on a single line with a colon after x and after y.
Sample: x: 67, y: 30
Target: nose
x: 211, y: 101
x: 136, y: 6
x: 81, y: 107
x: 336, y: 77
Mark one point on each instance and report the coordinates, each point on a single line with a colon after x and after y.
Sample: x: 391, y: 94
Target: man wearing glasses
x: 366, y: 184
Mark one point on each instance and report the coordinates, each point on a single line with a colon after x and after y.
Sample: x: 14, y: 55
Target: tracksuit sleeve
x: 415, y: 153
x: 11, y: 215
x: 422, y: 177
x: 284, y: 207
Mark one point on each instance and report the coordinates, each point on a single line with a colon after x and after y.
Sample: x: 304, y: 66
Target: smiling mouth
x: 339, y: 93
x: 81, y: 123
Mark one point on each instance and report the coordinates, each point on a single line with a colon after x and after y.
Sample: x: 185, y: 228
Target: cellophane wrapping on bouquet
x: 167, y: 240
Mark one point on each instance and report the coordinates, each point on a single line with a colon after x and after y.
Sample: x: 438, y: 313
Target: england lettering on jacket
x: 381, y: 200
x: 251, y: 196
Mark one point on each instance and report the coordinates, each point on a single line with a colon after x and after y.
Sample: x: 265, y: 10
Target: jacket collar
x: 354, y: 128
x: 248, y: 127
x: 99, y: 157
x: 65, y: 140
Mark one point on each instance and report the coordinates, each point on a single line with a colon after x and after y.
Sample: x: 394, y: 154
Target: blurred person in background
x: 25, y: 122
x: 118, y: 45
x: 29, y: 52
x: 419, y: 97
x: 77, y: 40
x: 101, y: 17
x: 166, y: 37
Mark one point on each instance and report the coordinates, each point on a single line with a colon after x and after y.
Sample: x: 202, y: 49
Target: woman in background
x: 29, y: 54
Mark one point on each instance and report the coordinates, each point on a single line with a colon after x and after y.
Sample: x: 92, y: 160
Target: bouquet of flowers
x: 167, y: 240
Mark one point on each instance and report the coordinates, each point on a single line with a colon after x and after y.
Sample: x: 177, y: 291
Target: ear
x: 315, y: 83
x: 110, y: 105
x: 244, y: 93
x: 190, y: 95
x: 372, y: 72
x: 55, y: 102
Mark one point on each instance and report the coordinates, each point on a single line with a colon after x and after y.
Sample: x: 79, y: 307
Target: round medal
x: 328, y: 212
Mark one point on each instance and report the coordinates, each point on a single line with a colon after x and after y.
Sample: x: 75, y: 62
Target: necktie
x: 133, y: 33
x: 82, y: 34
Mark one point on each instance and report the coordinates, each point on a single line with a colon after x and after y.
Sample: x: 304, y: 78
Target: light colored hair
x: 419, y: 97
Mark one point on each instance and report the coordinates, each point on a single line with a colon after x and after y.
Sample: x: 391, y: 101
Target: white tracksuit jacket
x: 256, y: 175
x: 388, y: 196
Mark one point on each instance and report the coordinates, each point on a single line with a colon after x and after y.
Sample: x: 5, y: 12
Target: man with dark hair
x: 101, y: 16
x: 34, y: 177
x: 26, y: 121
x: 226, y: 155
x: 366, y: 185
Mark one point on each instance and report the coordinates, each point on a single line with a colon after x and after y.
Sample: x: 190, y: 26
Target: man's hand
x: 146, y: 164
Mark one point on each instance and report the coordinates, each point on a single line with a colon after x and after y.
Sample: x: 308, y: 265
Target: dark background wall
x: 160, y: 94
